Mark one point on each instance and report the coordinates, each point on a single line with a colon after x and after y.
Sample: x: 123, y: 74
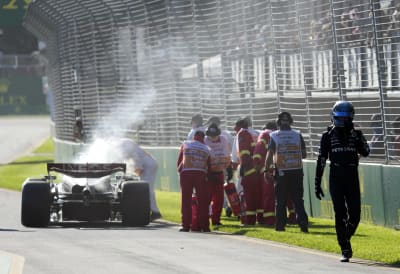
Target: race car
x: 86, y: 192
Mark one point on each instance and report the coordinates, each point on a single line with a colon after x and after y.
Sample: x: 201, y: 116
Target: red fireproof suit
x: 220, y: 160
x: 251, y: 184
x: 193, y: 164
x: 267, y: 190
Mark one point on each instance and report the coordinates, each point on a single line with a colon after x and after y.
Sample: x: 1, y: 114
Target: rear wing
x: 88, y: 170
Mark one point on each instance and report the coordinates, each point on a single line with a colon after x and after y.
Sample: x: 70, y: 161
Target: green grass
x: 371, y: 242
x: 34, y: 165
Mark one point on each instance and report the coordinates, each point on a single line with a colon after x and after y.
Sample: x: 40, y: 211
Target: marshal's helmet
x: 342, y: 114
x: 213, y: 130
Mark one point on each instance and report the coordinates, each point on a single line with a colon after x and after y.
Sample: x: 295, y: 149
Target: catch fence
x: 144, y: 68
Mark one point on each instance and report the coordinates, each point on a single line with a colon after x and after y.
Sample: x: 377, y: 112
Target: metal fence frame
x: 143, y: 68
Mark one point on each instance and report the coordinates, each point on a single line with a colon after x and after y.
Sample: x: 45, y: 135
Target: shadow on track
x: 107, y: 225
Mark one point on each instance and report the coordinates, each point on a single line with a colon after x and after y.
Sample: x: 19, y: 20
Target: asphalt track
x: 157, y: 248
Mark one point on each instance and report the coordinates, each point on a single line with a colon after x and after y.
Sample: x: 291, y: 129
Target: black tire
x: 135, y: 204
x: 35, y: 205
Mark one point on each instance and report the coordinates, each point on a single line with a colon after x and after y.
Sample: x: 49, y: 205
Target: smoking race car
x: 86, y: 192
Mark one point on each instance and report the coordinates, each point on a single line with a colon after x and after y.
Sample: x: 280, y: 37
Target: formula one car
x: 86, y: 192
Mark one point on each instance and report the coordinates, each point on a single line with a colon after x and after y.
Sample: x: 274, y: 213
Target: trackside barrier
x: 65, y: 151
x: 379, y: 187
x: 379, y: 184
x: 167, y: 175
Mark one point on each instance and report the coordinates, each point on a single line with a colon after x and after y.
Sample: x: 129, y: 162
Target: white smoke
x: 134, y: 98
x: 122, y: 122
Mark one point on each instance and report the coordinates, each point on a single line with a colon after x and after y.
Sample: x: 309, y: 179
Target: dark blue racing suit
x: 343, y: 146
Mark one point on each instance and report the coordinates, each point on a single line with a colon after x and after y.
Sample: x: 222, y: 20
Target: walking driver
x: 341, y: 143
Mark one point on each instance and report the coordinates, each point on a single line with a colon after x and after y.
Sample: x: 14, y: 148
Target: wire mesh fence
x: 144, y: 68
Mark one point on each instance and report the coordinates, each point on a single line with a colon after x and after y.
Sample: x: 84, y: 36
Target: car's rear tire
x: 135, y: 204
x: 35, y: 205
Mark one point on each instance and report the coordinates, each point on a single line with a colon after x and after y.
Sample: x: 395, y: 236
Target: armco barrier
x: 379, y: 184
x: 167, y: 175
x: 391, y: 192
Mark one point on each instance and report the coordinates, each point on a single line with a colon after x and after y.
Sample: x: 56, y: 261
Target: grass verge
x: 33, y: 165
x: 375, y: 243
